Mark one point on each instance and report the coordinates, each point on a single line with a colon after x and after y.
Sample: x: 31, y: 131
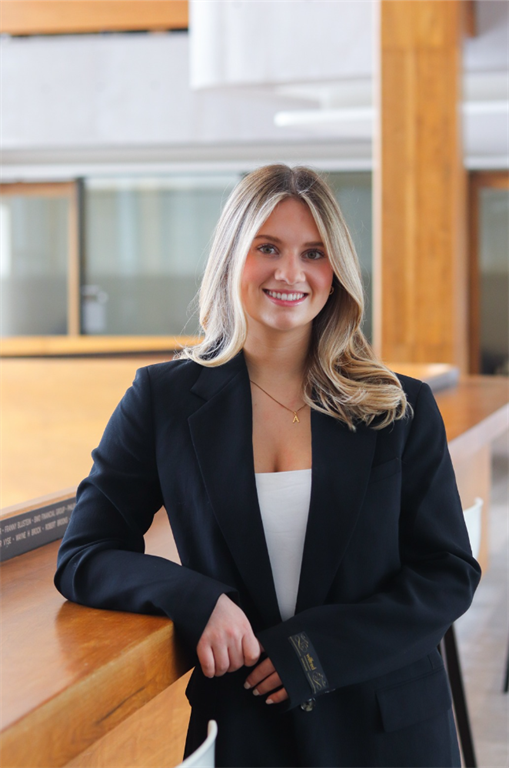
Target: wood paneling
x: 36, y: 17
x: 152, y: 737
x: 420, y: 261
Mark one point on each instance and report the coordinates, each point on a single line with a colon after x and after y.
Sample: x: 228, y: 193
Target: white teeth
x: 286, y: 296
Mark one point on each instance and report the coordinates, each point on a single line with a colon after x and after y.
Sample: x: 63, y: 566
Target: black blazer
x: 387, y: 567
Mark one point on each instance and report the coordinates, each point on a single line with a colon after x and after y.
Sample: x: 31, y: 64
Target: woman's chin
x: 285, y: 325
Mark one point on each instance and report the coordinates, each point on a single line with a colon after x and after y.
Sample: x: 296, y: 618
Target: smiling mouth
x: 279, y: 295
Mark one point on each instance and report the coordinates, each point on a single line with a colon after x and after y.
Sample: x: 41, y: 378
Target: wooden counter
x: 90, y: 688
x: 53, y: 414
x: 71, y: 675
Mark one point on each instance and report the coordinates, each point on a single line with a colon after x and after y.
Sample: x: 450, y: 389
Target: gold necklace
x: 295, y: 417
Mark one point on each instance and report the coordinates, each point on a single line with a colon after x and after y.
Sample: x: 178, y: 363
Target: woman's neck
x: 278, y: 358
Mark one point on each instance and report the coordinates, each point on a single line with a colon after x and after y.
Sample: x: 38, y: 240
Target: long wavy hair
x: 343, y: 377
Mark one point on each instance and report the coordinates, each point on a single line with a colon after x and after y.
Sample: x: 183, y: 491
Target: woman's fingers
x: 259, y: 673
x: 206, y: 659
x: 221, y: 659
x: 269, y: 684
x: 251, y: 649
x: 228, y: 641
x: 264, y: 679
x: 277, y: 697
x: 236, y: 656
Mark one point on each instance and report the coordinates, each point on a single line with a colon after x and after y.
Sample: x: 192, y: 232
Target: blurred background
x: 126, y: 124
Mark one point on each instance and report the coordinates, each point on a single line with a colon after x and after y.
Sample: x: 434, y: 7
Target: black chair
x: 449, y: 650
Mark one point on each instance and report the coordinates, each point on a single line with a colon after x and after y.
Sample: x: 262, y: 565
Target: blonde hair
x: 343, y: 377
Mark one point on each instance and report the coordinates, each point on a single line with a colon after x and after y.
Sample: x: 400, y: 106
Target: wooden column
x: 420, y: 185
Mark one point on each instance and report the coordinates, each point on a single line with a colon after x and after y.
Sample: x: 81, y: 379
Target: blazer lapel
x: 341, y: 465
x: 222, y: 432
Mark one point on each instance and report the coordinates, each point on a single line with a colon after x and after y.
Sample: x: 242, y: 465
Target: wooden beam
x: 420, y: 185
x: 492, y: 179
x: 56, y: 17
x: 38, y: 189
x: 469, y: 18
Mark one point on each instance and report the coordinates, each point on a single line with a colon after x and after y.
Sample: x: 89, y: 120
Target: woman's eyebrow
x: 277, y: 240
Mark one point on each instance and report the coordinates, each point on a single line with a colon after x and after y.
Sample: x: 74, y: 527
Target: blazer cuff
x: 296, y: 661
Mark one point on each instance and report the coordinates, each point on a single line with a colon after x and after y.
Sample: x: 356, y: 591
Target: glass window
x: 353, y: 193
x: 146, y: 243
x: 34, y: 245
x: 494, y: 280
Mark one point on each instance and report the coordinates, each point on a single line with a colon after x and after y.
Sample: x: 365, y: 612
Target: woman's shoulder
x: 173, y: 375
x: 411, y: 386
x: 420, y: 396
x: 418, y: 393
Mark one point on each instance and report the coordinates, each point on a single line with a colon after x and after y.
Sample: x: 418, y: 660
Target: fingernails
x: 269, y: 701
x: 247, y: 685
x: 255, y: 692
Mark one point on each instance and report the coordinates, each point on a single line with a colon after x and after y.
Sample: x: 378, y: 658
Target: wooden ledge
x: 84, y: 346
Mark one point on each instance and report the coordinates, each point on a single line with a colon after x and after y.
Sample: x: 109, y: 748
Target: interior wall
x: 119, y: 89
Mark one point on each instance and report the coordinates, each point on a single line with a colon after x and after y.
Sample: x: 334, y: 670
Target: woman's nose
x: 289, y: 270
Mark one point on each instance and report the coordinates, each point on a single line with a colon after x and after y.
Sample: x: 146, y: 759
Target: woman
x: 312, y: 500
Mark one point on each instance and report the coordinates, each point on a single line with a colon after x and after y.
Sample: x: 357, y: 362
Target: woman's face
x: 287, y: 276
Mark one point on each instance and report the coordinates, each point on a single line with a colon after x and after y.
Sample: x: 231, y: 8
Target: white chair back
x: 473, y: 522
x: 204, y: 756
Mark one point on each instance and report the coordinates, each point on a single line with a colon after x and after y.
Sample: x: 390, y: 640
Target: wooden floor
x: 483, y: 633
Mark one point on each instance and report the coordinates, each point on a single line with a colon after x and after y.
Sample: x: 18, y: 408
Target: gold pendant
x: 295, y: 418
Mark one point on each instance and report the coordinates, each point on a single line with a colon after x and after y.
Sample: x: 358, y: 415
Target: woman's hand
x: 264, y: 679
x: 228, y: 642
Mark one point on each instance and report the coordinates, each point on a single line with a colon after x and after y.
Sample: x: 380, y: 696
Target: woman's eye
x: 314, y: 255
x: 269, y: 249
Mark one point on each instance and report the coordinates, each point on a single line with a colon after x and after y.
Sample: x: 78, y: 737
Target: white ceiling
x: 76, y: 105
x: 323, y: 53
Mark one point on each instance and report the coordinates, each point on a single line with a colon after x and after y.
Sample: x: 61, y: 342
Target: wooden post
x: 420, y: 185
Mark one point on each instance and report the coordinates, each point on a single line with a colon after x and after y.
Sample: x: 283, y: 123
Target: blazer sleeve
x: 344, y: 644
x: 101, y: 561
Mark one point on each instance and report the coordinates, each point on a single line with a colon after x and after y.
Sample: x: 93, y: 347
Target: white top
x: 284, y: 499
